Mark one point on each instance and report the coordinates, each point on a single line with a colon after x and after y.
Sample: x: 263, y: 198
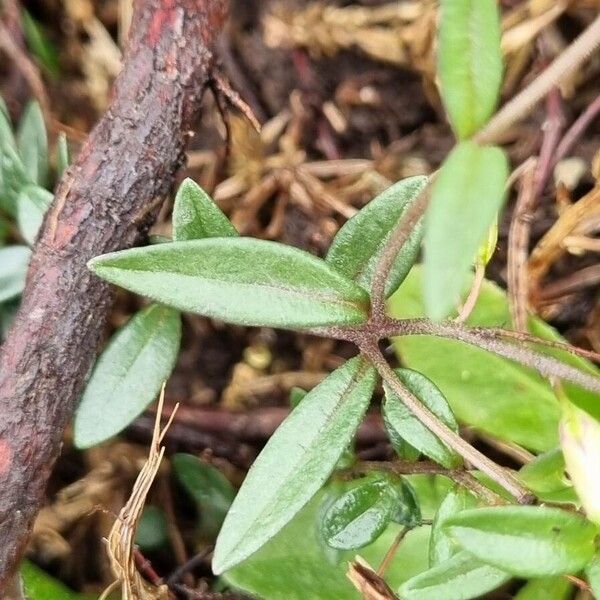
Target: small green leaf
x: 546, y: 477
x: 407, y: 510
x: 196, y: 216
x: 8, y: 310
x: 63, y: 159
x: 13, y: 269
x: 361, y: 514
x: 461, y: 577
x: 239, y: 280
x: 296, y: 462
x: 466, y: 197
x: 32, y: 204
x: 546, y: 588
x: 528, y: 541
x: 469, y: 62
x: 297, y: 394
x: 128, y: 374
x: 441, y: 546
x: 152, y: 532
x: 33, y: 144
x: 356, y: 248
x: 409, y: 428
x: 209, y: 488
x: 41, y: 47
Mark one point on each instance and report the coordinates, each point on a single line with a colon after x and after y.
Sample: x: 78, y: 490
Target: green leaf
x: 356, y: 248
x: 41, y: 47
x: 361, y: 514
x: 63, y: 159
x: 441, y: 546
x: 294, y: 565
x: 196, y: 216
x: 496, y: 395
x: 38, y: 585
x: 469, y: 62
x: 12, y: 172
x: 409, y: 428
x: 33, y: 144
x: 32, y: 204
x: 296, y: 462
x: 13, y: 269
x: 128, y: 375
x: 592, y: 572
x: 528, y: 541
x: 209, y: 488
x: 461, y: 577
x: 545, y: 476
x: 239, y: 280
x: 152, y: 531
x: 546, y: 588
x: 8, y: 310
x: 466, y: 197
x: 297, y: 394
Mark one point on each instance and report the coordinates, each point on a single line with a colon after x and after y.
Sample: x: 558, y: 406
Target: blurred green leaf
x: 33, y: 144
x: 40, y: 46
x: 592, y: 573
x: 527, y: 541
x: 38, y: 585
x: 466, y: 197
x: 152, y: 532
x: 128, y: 374
x: 296, y: 462
x: 441, y: 546
x: 498, y: 396
x: 196, y: 216
x: 356, y: 248
x: 546, y: 588
x: 240, y: 280
x: 13, y: 269
x: 63, y: 158
x: 8, y: 310
x: 461, y: 577
x: 406, y: 426
x: 296, y: 396
x: 469, y: 62
x: 545, y: 476
x: 32, y: 204
x: 12, y: 172
x: 209, y: 488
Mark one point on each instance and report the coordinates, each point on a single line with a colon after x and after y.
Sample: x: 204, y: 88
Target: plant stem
x: 545, y: 365
x: 389, y: 555
x: 446, y: 435
x: 522, y: 104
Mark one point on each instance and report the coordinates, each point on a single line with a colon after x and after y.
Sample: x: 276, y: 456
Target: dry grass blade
x: 120, y: 542
x: 367, y: 582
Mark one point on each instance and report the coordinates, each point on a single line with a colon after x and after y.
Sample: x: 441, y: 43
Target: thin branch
x: 446, y: 435
x: 576, y: 54
x: 576, y: 130
x: 545, y: 365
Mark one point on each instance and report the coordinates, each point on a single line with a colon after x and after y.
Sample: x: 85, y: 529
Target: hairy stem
x: 569, y: 60
x: 480, y: 337
x: 501, y: 476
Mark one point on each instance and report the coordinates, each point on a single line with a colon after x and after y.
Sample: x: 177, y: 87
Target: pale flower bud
x: 580, y: 442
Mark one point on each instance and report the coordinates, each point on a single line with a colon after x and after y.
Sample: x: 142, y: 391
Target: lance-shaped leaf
x: 128, y: 375
x: 32, y: 204
x: 357, y: 247
x: 13, y: 269
x: 406, y: 426
x: 466, y: 197
x: 461, y: 577
x: 441, y: 546
x: 196, y: 216
x: 12, y: 172
x: 239, y: 280
x: 33, y: 144
x: 528, y: 541
x: 469, y: 62
x: 296, y: 462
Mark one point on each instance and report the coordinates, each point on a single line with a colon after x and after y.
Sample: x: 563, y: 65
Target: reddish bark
x: 105, y: 202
